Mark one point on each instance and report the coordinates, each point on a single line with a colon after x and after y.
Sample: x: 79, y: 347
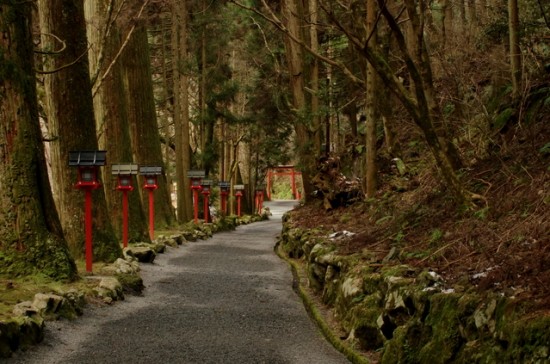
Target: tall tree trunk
x: 371, y: 175
x: 295, y: 58
x: 314, y: 81
x: 111, y: 114
x: 202, y: 86
x: 515, y: 52
x: 71, y: 118
x: 418, y: 107
x: 146, y: 146
x: 32, y: 238
x: 181, y: 109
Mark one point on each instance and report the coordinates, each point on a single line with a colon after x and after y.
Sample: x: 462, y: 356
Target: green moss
x: 9, y: 338
x: 405, y: 344
x: 395, y: 270
x: 20, y: 333
x: 47, y: 256
x: 131, y: 283
x: 527, y: 340
x: 447, y: 316
x: 362, y: 319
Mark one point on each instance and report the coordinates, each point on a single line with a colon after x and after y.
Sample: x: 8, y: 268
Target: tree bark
x: 295, y: 58
x: 32, y: 238
x: 111, y: 114
x: 146, y: 145
x: 314, y: 81
x: 515, y: 52
x: 371, y: 175
x: 181, y: 109
x: 69, y: 109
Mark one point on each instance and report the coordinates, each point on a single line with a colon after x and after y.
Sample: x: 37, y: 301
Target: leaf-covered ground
x: 503, y: 245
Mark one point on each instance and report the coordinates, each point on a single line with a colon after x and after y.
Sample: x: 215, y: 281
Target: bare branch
x: 42, y: 72
x: 117, y: 56
x: 544, y: 15
x: 64, y: 45
x: 108, y: 27
x: 273, y: 19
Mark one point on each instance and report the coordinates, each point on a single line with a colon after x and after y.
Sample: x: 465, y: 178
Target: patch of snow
x: 484, y: 273
x: 340, y: 234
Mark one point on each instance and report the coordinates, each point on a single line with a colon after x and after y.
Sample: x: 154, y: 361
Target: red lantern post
x: 150, y: 174
x: 195, y: 178
x: 259, y: 200
x: 224, y: 192
x: 206, y: 185
x: 124, y: 173
x: 238, y: 195
x: 88, y: 163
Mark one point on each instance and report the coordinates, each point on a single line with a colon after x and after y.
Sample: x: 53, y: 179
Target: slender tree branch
x: 56, y: 51
x: 108, y: 27
x: 546, y: 20
x: 42, y: 72
x: 273, y: 19
x: 119, y: 53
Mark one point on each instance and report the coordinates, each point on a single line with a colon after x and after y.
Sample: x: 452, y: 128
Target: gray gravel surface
x: 225, y: 300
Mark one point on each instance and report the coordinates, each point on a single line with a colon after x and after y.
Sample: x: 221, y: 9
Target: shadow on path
x: 225, y: 300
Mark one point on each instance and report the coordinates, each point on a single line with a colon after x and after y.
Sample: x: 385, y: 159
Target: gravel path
x: 225, y: 300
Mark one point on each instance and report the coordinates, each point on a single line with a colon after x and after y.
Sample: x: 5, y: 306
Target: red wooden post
x: 206, y: 185
x: 88, y: 228
x: 224, y: 202
x: 225, y: 187
x: 124, y: 173
x: 269, y: 175
x: 239, y: 195
x: 205, y: 206
x: 196, y: 205
x: 150, y: 174
x: 195, y: 183
x: 125, y: 218
x: 293, y: 181
x: 88, y: 163
x: 151, y: 214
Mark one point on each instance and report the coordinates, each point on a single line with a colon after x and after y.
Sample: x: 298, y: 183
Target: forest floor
x: 503, y: 245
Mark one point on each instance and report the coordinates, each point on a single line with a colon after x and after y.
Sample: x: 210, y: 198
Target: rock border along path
x: 228, y: 299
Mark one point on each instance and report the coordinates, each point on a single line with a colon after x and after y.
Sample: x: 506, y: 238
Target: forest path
x: 228, y: 299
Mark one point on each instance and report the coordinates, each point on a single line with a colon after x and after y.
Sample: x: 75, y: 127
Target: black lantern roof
x: 124, y: 169
x: 87, y: 158
x: 196, y: 174
x: 207, y: 182
x: 224, y: 184
x: 150, y: 170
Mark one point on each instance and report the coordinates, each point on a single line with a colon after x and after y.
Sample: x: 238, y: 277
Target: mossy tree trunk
x: 70, y: 117
x: 371, y: 168
x: 181, y: 109
x: 32, y: 239
x: 295, y: 57
x: 111, y: 113
x: 515, y: 52
x: 417, y: 104
x: 146, y: 146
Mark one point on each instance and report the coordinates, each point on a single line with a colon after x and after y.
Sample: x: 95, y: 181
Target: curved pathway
x: 228, y: 299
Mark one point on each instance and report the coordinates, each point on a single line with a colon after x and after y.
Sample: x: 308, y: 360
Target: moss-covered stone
x: 20, y: 333
x: 131, y: 283
x: 361, y: 320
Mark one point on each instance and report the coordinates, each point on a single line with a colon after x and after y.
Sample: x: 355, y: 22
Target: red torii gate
x: 283, y: 171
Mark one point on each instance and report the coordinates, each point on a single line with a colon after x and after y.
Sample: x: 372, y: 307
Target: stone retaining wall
x: 411, y: 316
